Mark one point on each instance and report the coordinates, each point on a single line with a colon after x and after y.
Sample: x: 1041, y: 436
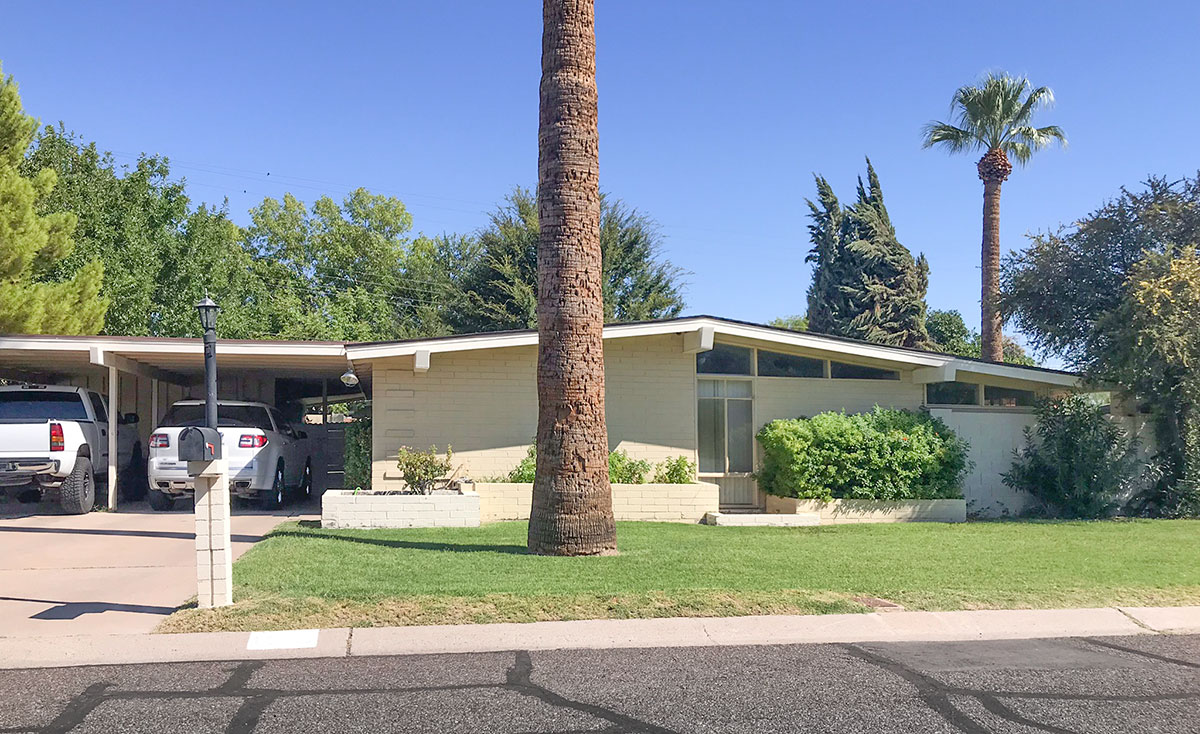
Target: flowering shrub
x: 881, y: 455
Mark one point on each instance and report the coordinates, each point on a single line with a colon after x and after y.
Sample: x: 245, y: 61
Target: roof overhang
x: 699, y: 333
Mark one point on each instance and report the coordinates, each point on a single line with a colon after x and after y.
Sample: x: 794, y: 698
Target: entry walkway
x: 104, y: 572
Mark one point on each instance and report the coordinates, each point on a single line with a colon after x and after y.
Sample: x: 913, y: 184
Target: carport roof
x: 175, y: 360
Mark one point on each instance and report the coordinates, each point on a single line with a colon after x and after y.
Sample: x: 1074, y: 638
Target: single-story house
x: 699, y: 387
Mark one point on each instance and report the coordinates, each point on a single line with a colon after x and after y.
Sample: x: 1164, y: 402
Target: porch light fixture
x: 349, y: 379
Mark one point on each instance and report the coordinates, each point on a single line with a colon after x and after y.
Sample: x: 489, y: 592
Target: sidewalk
x: 37, y: 652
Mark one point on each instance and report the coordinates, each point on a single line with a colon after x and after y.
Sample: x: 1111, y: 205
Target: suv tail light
x: 160, y: 441
x: 252, y: 441
x: 57, y: 442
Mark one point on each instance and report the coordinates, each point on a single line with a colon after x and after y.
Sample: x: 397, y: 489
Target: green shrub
x: 525, y: 470
x: 358, y: 454
x: 881, y: 455
x: 679, y: 470
x: 621, y: 468
x: 420, y: 470
x: 1080, y: 464
x: 624, y: 470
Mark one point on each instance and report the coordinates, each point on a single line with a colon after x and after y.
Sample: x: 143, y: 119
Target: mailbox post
x: 200, y: 447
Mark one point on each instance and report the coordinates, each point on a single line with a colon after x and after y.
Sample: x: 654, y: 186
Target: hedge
x: 881, y: 455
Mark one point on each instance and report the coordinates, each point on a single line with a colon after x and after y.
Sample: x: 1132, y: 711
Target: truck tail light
x: 252, y: 441
x: 160, y: 441
x: 57, y: 441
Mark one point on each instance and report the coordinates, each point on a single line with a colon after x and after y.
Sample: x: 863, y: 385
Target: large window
x: 843, y: 371
x: 30, y: 405
x: 724, y: 359
x: 1007, y: 397
x: 726, y: 426
x: 774, y: 364
x: 951, y: 393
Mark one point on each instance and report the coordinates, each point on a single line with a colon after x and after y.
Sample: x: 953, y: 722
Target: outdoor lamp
x: 208, y: 313
x: 349, y: 379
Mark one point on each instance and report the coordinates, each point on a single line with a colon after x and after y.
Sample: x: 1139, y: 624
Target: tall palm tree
x: 572, y: 499
x: 995, y: 117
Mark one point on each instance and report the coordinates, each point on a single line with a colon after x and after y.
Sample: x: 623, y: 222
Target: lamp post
x: 208, y: 319
x: 214, y: 549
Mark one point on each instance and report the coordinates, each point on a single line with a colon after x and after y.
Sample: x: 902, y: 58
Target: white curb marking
x: 285, y: 640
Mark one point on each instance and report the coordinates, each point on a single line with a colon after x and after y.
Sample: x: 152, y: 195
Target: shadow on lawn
x: 410, y: 544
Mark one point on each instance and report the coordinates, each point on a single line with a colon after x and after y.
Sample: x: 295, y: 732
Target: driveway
x: 104, y: 572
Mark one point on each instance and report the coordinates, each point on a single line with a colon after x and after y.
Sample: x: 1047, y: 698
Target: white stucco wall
x: 993, y: 435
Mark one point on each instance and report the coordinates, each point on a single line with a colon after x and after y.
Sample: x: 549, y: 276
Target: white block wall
x: 344, y: 509
x: 650, y: 502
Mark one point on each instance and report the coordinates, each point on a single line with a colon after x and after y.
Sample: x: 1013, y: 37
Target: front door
x: 725, y: 430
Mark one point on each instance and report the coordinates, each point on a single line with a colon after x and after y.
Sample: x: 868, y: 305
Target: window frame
x: 725, y: 399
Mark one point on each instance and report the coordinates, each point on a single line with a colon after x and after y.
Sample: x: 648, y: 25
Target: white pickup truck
x: 54, y: 440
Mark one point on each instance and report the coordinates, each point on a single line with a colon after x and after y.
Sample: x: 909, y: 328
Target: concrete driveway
x: 104, y: 572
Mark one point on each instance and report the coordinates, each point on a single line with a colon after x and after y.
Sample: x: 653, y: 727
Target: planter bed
x: 653, y: 502
x: 343, y: 508
x: 836, y: 512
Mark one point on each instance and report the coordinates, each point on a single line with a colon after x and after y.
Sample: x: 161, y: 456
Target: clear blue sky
x: 713, y: 115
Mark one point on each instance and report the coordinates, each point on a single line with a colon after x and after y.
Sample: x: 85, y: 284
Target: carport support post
x: 114, y: 413
x: 214, y: 549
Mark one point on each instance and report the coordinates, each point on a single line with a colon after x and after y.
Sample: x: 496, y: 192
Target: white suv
x: 267, y: 458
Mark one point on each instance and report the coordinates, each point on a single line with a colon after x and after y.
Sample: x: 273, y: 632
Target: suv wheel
x: 78, y: 493
x: 306, y: 482
x: 272, y: 499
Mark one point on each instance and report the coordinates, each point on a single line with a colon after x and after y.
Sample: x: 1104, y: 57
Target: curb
x: 1012, y: 624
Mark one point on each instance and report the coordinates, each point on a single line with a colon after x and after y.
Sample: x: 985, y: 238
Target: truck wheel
x: 78, y: 493
x: 160, y: 501
x: 272, y: 499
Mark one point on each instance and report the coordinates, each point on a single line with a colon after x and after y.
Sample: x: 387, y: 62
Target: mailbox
x: 199, y: 444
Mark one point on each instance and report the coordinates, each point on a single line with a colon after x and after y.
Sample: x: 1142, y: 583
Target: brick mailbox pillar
x: 214, y: 550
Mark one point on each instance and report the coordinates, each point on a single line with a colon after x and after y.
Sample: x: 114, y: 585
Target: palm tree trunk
x: 572, y: 500
x: 992, y: 340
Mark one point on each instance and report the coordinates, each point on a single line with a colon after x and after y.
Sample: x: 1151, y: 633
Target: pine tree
x: 30, y: 244
x: 866, y: 285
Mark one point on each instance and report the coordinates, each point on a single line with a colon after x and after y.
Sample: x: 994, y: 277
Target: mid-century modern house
x: 699, y: 387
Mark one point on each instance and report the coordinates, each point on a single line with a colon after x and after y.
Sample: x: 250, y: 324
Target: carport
x: 145, y: 375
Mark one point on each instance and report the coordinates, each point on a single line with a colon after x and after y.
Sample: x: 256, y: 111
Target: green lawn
x: 303, y: 576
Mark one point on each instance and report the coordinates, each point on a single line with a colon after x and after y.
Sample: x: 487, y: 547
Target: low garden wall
x: 835, y: 512
x: 655, y: 502
x: 343, y: 508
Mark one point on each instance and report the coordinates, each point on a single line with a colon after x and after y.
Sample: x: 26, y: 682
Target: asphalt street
x: 1128, y: 684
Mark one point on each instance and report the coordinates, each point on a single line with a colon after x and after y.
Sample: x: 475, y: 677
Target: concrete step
x: 762, y: 519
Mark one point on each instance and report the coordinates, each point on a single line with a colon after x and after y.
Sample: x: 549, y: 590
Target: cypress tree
x: 31, y: 244
x: 866, y: 285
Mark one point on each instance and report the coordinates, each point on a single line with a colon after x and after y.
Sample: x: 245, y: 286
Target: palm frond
x: 954, y: 139
x: 1037, y: 99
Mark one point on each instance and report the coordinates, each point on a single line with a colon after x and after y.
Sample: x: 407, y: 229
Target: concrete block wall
x: 344, y: 509
x: 484, y: 404
x: 839, y: 512
x: 651, y: 502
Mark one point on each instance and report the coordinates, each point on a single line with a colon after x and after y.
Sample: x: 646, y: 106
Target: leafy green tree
x: 1065, y: 282
x: 950, y: 335
x: 1114, y: 296
x: 794, y: 322
x: 1150, y: 345
x: 866, y: 285
x: 32, y: 300
x: 338, y: 271
x: 995, y: 117
x: 498, y: 285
